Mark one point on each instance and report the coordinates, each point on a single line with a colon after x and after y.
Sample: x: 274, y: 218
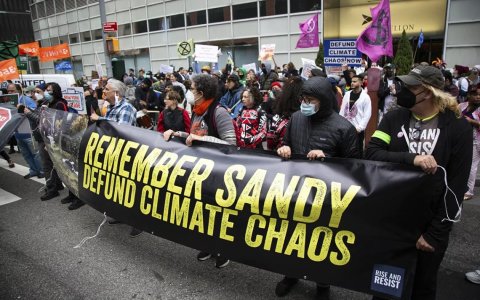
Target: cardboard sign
x: 75, y: 99
x: 206, y: 53
x: 266, y: 52
x: 308, y: 66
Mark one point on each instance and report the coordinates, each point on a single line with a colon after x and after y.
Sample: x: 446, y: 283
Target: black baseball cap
x: 424, y: 74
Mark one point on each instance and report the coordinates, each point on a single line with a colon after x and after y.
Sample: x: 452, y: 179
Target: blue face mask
x: 48, y: 97
x: 308, y: 109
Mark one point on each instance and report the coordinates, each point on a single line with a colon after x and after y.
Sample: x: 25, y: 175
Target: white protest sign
x: 206, y: 53
x: 251, y: 66
x: 166, y: 69
x: 95, y: 83
x: 266, y: 52
x: 308, y: 66
x: 75, y: 99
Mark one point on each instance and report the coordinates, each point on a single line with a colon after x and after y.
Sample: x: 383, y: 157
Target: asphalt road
x: 38, y: 259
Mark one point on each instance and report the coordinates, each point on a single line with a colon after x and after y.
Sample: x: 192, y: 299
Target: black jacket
x: 382, y: 93
x: 331, y: 133
x: 453, y: 151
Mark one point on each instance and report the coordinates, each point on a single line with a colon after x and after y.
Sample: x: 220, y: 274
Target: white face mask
x: 38, y: 96
x: 193, y: 100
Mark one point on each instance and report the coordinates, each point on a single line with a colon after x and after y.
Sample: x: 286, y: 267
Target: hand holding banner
x: 54, y: 52
x: 266, y: 52
x: 8, y: 70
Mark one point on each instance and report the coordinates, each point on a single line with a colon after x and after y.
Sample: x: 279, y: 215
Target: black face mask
x: 405, y: 97
x: 264, y: 70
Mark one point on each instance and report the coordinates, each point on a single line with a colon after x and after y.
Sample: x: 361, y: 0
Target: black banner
x: 345, y: 222
x: 10, y: 119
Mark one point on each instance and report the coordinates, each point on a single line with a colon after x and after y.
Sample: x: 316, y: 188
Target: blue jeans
x: 30, y: 155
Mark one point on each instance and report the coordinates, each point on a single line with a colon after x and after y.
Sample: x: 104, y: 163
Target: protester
x: 188, y: 97
x: 287, y: 103
x: 317, y: 131
x: 146, y: 97
x: 252, y: 120
x: 357, y: 108
x: 5, y: 156
x: 267, y: 77
x: 173, y: 117
x: 211, y: 122
x: 428, y: 133
x: 450, y: 87
x: 232, y: 99
x: 386, y: 90
x: 471, y: 112
x: 23, y: 134
x: 242, y: 75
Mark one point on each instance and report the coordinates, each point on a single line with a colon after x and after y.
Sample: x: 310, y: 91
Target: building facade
x: 149, y: 30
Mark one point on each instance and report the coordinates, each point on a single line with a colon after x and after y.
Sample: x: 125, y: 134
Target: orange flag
x: 8, y: 70
x: 29, y: 49
x: 54, y: 52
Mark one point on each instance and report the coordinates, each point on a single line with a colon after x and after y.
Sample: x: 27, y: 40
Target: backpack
x: 69, y: 109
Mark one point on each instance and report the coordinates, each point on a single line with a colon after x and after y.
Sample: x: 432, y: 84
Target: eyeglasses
x: 416, y: 133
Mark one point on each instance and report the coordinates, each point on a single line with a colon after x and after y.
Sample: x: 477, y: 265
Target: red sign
x: 110, y: 26
x: 5, y: 116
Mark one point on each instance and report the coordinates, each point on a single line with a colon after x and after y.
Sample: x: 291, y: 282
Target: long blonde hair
x: 443, y: 100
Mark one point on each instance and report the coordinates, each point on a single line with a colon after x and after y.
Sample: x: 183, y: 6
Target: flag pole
x: 415, y: 53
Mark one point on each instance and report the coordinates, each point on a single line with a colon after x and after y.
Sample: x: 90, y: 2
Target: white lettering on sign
x: 343, y: 44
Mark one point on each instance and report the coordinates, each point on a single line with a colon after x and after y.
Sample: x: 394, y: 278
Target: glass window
x: 63, y: 39
x: 45, y: 43
x: 97, y: 34
x: 33, y: 10
x: 81, y: 3
x: 175, y: 21
x: 86, y: 36
x: 155, y: 24
x: 92, y: 1
x: 273, y: 7
x: 54, y: 41
x: 140, y: 27
x: 197, y: 18
x: 70, y: 4
x: 124, y: 29
x: 59, y: 6
x: 49, y: 7
x: 304, y: 5
x: 220, y: 14
x: 41, y: 9
x: 74, y: 38
x: 245, y: 11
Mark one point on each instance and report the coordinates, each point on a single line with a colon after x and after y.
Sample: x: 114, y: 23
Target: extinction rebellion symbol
x: 184, y: 48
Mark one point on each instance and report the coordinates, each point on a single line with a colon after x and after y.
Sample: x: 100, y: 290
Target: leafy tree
x: 404, y: 57
x: 319, y: 59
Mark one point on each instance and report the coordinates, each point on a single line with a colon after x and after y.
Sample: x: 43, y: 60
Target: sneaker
x: 11, y: 164
x: 135, y: 232
x: 11, y: 151
x: 323, y: 292
x: 41, y: 175
x: 201, y: 256
x: 67, y: 199
x: 28, y: 176
x: 284, y: 286
x: 467, y: 197
x: 473, y: 277
x: 221, y: 262
x: 49, y: 196
x: 76, y: 204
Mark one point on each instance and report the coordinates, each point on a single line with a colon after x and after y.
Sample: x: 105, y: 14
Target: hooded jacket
x: 267, y: 79
x: 326, y: 130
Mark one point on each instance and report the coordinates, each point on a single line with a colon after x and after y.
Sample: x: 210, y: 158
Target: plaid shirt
x: 122, y: 113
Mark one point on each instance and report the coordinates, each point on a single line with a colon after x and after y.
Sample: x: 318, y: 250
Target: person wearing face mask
x: 211, y: 123
x: 357, y: 108
x: 386, y: 90
x: 317, y: 131
x: 471, y: 112
x: 428, y: 132
x: 267, y: 76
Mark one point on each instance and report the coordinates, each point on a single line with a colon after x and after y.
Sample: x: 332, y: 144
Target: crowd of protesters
x: 279, y: 110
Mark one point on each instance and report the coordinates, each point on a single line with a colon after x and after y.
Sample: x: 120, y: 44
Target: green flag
x: 8, y: 49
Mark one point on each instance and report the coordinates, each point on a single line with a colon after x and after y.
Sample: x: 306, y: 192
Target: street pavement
x: 38, y: 259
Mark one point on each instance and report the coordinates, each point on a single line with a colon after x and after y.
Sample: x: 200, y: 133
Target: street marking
x: 6, y: 197
x: 20, y: 170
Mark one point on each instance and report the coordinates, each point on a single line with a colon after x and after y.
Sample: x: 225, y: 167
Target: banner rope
x: 458, y: 215
x: 96, y: 234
